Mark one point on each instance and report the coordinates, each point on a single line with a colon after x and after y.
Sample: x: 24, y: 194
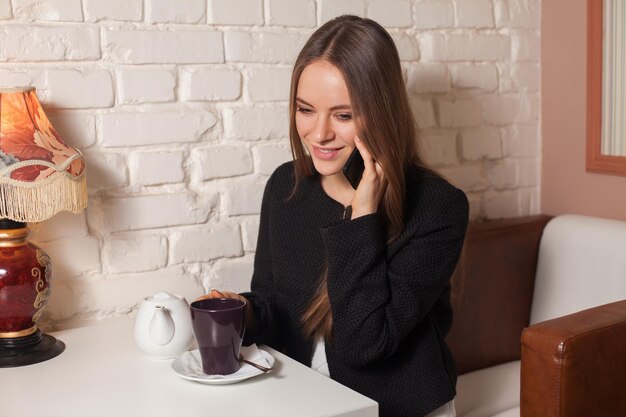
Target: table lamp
x: 39, y: 176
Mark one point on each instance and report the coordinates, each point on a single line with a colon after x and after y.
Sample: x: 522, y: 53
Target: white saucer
x: 189, y: 366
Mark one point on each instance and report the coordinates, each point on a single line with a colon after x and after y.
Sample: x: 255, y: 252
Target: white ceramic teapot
x: 163, y: 326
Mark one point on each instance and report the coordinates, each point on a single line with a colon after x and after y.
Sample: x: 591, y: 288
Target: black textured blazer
x: 390, y: 302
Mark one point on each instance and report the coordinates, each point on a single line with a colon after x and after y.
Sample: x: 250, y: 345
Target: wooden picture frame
x: 596, y: 161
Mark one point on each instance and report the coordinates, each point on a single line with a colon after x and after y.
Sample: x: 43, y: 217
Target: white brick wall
x: 79, y: 128
x: 185, y: 11
x: 466, y: 47
x: 201, y: 244
x: 134, y: 254
x: 503, y: 204
x: 482, y: 77
x: 107, y: 170
x: 269, y: 84
x: 84, y: 259
x: 159, y: 46
x: 154, y: 168
x: 265, y: 47
x: 63, y: 225
x: 292, y: 13
x: 27, y: 43
x: 520, y: 141
x: 254, y: 123
x: 268, y: 157
x: 391, y: 13
x: 233, y: 274
x: 250, y: 229
x: 53, y: 10
x: 182, y: 115
x: 15, y: 76
x: 79, y: 88
x: 459, y: 113
x: 115, y: 10
x: 151, y: 212
x: 242, y: 198
x: 407, y: 46
x: 199, y: 84
x: 481, y: 143
x: 145, y: 85
x: 467, y: 177
x: 525, y: 46
x: 475, y: 14
x: 440, y: 147
x: 5, y: 9
x: 423, y: 111
x: 525, y: 77
x: 223, y: 161
x: 524, y: 13
x: 434, y: 14
x: 429, y: 78
x: 154, y: 127
x: 501, y: 13
x: 235, y: 12
x: 332, y: 8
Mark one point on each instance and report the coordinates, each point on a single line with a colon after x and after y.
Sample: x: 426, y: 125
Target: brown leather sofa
x: 571, y: 366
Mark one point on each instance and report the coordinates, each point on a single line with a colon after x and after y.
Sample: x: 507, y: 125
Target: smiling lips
x: 326, y: 154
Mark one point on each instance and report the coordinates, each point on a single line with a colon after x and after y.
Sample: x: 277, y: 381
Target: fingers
x: 213, y: 293
x: 203, y: 297
x: 367, y: 157
x: 216, y: 294
x: 379, y: 169
x: 383, y: 181
x: 361, y: 147
x: 373, y: 184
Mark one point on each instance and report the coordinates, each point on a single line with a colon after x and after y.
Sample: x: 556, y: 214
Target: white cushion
x: 513, y: 412
x: 582, y: 264
x: 489, y: 391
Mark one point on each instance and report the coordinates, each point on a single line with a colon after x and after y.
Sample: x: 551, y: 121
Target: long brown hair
x: 368, y: 59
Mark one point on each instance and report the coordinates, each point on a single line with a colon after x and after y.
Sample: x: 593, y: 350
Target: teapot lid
x: 163, y: 296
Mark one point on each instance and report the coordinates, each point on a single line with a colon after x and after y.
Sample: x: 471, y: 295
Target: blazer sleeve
x: 262, y: 295
x: 380, y: 294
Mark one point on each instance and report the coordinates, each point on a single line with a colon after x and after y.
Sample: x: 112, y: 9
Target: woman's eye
x: 344, y: 116
x: 304, y: 110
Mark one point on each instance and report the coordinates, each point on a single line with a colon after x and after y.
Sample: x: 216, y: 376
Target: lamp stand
x: 25, y: 274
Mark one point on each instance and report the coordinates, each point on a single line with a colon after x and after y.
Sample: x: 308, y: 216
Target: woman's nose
x: 322, y: 130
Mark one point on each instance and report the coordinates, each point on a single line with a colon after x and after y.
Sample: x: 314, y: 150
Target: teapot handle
x: 161, y: 327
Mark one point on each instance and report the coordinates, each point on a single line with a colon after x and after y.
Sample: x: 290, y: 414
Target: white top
x: 103, y: 373
x: 319, y: 362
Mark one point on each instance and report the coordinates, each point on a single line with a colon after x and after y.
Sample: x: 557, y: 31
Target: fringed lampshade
x: 39, y: 176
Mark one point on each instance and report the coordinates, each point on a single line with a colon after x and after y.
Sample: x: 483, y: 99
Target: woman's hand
x: 372, y: 186
x: 223, y: 294
x: 249, y: 311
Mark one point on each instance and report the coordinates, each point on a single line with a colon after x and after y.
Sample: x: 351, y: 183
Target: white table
x: 103, y: 373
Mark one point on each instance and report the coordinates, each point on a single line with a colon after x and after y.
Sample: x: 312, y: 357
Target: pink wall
x: 565, y: 186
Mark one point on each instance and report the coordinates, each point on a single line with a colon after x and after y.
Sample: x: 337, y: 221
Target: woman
x: 356, y: 282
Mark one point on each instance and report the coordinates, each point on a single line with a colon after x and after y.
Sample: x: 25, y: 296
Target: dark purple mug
x: 218, y: 325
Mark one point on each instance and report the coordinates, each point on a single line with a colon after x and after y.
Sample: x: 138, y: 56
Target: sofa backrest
x: 492, y: 289
x: 582, y: 264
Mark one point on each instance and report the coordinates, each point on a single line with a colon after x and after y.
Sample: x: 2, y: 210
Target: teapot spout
x: 161, y: 327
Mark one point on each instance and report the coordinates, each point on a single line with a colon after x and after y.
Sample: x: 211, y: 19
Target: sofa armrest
x: 575, y: 365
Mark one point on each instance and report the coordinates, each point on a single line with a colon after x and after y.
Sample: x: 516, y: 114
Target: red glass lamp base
x: 29, y: 350
x: 25, y: 275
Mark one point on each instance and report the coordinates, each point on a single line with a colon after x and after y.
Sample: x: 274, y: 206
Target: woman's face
x: 324, y: 117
